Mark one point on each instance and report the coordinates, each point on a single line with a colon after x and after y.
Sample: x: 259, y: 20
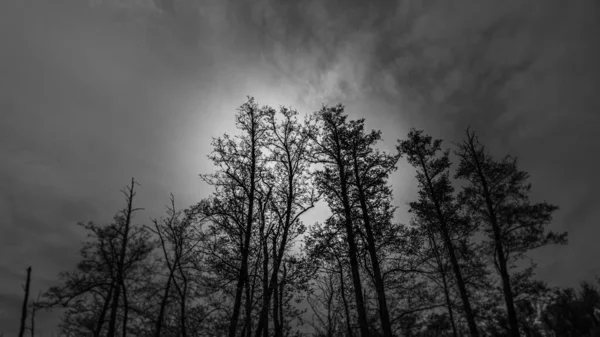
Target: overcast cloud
x: 95, y: 92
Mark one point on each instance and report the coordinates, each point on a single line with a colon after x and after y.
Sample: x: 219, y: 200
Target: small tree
x: 114, y: 256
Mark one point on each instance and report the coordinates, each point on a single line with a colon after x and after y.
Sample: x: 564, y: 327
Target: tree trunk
x: 502, y: 263
x: 279, y: 256
x: 352, y: 252
x: 115, y: 304
x: 32, y: 327
x: 125, y: 310
x: 276, y: 322
x: 264, y: 319
x: 449, y: 305
x: 281, y: 300
x: 379, y: 286
x: 183, y: 290
x: 462, y: 289
x: 163, y: 304
x: 248, y: 309
x: 112, y: 323
x: 344, y: 301
x: 182, y: 308
x: 243, y: 276
x: 103, y: 312
x: 25, y: 300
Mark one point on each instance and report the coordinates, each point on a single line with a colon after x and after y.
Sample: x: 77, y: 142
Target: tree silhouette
x: 292, y: 195
x: 371, y: 169
x: 241, y: 262
x: 25, y: 300
x: 330, y: 134
x: 88, y: 293
x: 497, y: 195
x: 436, y: 205
x: 239, y: 160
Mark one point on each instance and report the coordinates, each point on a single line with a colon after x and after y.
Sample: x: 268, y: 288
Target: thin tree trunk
x: 183, y: 297
x: 352, y: 252
x: 506, y: 287
x: 163, y: 304
x: 32, y: 327
x: 125, y: 310
x: 276, y: 322
x: 500, y: 254
x: 281, y: 300
x: 182, y: 308
x: 113, y: 312
x: 103, y: 312
x: 452, y: 254
x: 443, y: 273
x: 344, y: 300
x: 243, y: 276
x: 115, y: 304
x: 379, y: 285
x: 248, y: 309
x: 264, y: 319
x: 449, y: 304
x: 25, y: 300
x: 279, y: 256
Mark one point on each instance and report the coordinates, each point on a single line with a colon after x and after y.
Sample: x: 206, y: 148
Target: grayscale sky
x: 93, y: 92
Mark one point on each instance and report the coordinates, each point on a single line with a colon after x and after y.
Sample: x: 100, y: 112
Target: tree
x: 124, y: 223
x: 496, y: 194
x: 25, y: 300
x: 176, y: 237
x: 290, y: 194
x: 371, y: 169
x: 240, y: 162
x: 436, y: 205
x: 574, y: 313
x: 88, y: 292
x: 330, y: 135
x: 324, y: 247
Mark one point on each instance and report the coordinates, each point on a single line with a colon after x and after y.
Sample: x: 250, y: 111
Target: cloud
x: 95, y: 92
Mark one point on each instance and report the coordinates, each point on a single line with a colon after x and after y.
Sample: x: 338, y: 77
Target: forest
x: 242, y: 263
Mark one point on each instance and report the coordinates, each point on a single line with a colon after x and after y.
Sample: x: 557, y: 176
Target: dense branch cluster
x: 242, y: 263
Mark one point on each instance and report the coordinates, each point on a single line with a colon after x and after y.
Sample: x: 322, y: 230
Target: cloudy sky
x: 93, y: 92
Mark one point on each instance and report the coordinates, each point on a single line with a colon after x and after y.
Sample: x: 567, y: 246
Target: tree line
x: 241, y: 263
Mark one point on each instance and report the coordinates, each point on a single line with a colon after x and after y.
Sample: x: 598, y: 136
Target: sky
x: 95, y: 92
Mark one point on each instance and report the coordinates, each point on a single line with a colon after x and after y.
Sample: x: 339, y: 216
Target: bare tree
x: 25, y: 301
x: 88, y: 292
x: 329, y: 134
x: 239, y: 160
x: 124, y: 222
x: 292, y: 194
x: 176, y: 237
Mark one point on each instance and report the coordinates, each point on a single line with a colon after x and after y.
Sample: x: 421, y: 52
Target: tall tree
x: 331, y: 137
x: 124, y: 223
x: 293, y: 194
x: 371, y: 169
x: 436, y: 205
x: 240, y: 162
x: 497, y: 195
